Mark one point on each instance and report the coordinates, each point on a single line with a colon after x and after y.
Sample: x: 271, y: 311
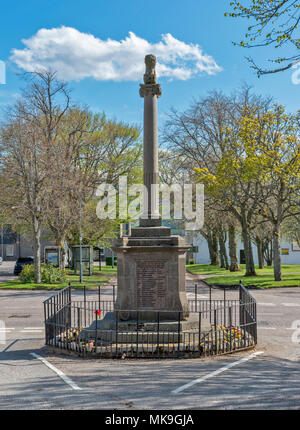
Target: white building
x: 290, y: 252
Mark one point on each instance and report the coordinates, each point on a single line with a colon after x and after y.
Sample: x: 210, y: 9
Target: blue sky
x: 189, y: 22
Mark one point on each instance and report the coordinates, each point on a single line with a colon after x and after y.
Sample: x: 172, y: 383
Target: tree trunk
x: 221, y: 255
x: 250, y: 268
x: 270, y: 260
x: 37, y: 250
x: 268, y: 252
x: 234, y: 263
x: 276, y: 252
x: 260, y: 254
x: 61, y: 244
x: 213, y: 249
x: 223, y: 251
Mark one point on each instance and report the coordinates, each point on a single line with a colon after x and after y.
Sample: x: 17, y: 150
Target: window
x: 296, y: 247
x: 9, y: 250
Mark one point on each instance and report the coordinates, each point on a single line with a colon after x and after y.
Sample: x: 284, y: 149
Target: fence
x: 217, y: 326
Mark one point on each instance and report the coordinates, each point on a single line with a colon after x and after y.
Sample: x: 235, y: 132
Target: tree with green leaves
x: 89, y: 150
x: 273, y: 23
x: 259, y: 174
x: 278, y: 159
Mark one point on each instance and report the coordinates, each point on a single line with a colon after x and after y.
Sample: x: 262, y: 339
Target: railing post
x: 137, y: 333
x: 255, y: 322
x: 78, y: 317
x: 215, y: 324
x: 45, y: 323
x: 179, y: 330
x: 224, y: 306
x: 210, y: 304
x: 84, y: 301
x: 196, y: 298
x: 117, y: 331
x: 158, y: 328
x: 69, y: 295
x: 99, y: 296
x: 199, y: 336
x: 96, y: 335
x: 230, y: 325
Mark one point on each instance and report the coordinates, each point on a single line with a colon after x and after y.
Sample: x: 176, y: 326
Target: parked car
x: 20, y: 263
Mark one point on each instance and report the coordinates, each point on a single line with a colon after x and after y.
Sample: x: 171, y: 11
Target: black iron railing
x: 219, y: 325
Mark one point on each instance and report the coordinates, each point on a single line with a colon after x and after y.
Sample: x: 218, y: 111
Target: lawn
x: 207, y: 269
x: 264, y: 278
x: 260, y: 281
x: 97, y: 278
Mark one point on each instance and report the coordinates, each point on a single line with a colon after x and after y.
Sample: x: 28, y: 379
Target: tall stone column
x: 151, y: 262
x: 150, y: 91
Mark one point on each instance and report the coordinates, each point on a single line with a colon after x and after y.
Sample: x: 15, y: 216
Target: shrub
x: 27, y: 274
x: 52, y: 275
x: 49, y: 274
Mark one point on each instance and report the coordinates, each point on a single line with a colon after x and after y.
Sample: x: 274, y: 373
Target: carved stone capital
x: 150, y: 90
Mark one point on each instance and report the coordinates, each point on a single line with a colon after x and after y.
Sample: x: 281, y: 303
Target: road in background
x: 268, y: 381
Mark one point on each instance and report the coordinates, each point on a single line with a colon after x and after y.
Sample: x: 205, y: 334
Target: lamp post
x: 80, y: 242
x: 2, y: 245
x: 2, y: 234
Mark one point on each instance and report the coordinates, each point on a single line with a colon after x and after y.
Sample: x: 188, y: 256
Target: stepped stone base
x: 147, y: 330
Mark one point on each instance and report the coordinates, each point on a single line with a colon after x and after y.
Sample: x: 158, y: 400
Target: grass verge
x: 264, y: 278
x: 97, y: 278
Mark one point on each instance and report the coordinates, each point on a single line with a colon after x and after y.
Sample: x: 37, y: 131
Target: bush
x: 49, y: 274
x: 27, y: 274
x: 52, y: 275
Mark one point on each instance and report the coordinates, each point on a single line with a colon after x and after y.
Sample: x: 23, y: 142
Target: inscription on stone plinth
x: 151, y: 284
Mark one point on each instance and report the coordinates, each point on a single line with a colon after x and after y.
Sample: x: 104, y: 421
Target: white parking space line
x: 266, y: 304
x: 216, y: 372
x: 31, y: 331
x: 199, y: 296
x: 275, y: 328
x: 291, y: 304
x: 33, y: 328
x: 61, y: 374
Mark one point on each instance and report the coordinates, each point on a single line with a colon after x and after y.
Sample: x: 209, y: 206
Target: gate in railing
x: 57, y: 313
x: 247, y: 312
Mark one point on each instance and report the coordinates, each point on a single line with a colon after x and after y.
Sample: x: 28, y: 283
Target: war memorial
x: 152, y: 317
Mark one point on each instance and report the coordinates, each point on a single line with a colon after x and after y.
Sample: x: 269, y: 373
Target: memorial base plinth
x: 151, y: 275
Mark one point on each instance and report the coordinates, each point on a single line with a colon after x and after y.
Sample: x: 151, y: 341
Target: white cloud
x: 75, y: 56
x: 296, y: 74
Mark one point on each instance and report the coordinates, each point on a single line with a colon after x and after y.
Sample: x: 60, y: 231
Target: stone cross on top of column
x: 150, y: 91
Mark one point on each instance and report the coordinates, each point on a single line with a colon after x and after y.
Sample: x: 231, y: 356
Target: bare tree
x: 26, y: 142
